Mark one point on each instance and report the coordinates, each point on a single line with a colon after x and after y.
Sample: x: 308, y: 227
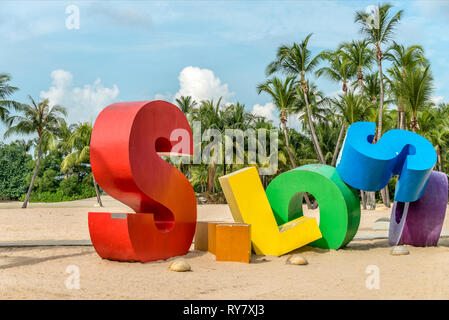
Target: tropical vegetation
x: 380, y: 80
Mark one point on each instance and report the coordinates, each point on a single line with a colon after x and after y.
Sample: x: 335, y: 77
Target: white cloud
x: 161, y: 96
x: 202, y: 84
x: 82, y: 103
x: 268, y: 111
x: 437, y: 99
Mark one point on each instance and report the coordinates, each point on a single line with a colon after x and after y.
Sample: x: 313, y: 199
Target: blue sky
x: 143, y: 50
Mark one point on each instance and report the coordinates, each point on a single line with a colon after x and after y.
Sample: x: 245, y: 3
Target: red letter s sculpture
x: 126, y: 140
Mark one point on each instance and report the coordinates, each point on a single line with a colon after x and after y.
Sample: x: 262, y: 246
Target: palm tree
x: 79, y: 142
x: 235, y: 117
x: 186, y: 104
x: 403, y: 58
x: 355, y: 107
x: 24, y: 145
x: 283, y: 95
x: 418, y: 85
x: 379, y: 30
x: 318, y: 106
x: 297, y: 61
x: 39, y: 118
x: 340, y: 69
x: 5, y: 91
x: 438, y: 137
x: 371, y: 87
x: 327, y: 134
x: 360, y: 57
x: 211, y: 116
x: 200, y: 176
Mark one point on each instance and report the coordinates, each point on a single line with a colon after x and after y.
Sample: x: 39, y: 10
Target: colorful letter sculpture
x: 212, y: 236
x: 228, y: 241
x: 126, y: 139
x: 249, y: 204
x: 339, y: 204
x: 233, y: 242
x: 420, y: 196
x: 201, y: 240
x: 419, y: 223
x: 369, y: 167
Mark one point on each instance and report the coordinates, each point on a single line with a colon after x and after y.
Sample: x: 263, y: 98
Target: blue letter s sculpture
x: 421, y: 195
x: 369, y: 167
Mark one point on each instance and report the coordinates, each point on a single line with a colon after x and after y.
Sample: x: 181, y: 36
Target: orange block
x: 233, y: 242
x: 201, y: 241
x: 211, y: 238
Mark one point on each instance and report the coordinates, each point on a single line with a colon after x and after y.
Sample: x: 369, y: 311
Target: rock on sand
x: 297, y: 259
x: 399, y: 251
x: 179, y: 266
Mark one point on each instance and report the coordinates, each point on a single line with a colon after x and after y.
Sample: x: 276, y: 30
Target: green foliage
x: 70, y: 188
x: 48, y: 181
x: 14, y: 170
x: 51, y: 184
x: 405, y: 86
x: 392, y: 186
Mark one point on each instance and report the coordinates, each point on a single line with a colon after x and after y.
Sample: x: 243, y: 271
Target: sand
x: 40, y: 272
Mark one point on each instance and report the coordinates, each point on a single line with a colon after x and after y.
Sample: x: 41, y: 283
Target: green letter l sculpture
x: 339, y: 203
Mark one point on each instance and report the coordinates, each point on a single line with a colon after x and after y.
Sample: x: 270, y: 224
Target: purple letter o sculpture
x: 421, y: 221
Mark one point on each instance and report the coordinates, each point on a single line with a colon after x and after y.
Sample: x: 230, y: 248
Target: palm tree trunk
x: 440, y: 166
x: 360, y: 78
x: 401, y: 114
x: 371, y: 200
x: 211, y: 179
x: 292, y: 160
x: 312, y: 130
x: 381, y: 102
x: 97, y: 192
x: 308, y: 203
x: 371, y: 196
x: 337, y: 147
x: 414, y: 122
x: 287, y: 144
x: 385, y: 196
x: 363, y: 197
x: 33, y: 179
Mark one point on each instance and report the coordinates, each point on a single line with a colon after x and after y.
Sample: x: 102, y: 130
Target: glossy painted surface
x: 233, y: 242
x: 423, y: 221
x: 369, y: 167
x: 339, y: 205
x: 126, y: 140
x: 249, y: 204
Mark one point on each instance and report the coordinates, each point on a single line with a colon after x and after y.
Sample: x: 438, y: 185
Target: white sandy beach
x: 40, y: 272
